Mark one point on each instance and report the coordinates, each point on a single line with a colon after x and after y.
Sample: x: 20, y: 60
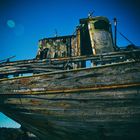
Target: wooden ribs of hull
x: 100, y: 77
x: 95, y: 115
x: 95, y: 103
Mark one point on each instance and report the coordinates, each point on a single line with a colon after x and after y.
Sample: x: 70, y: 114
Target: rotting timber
x: 62, y: 99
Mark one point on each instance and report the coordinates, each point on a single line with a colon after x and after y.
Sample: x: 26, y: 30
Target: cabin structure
x: 93, y: 36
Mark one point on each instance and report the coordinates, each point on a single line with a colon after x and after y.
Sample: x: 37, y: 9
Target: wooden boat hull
x: 96, y: 103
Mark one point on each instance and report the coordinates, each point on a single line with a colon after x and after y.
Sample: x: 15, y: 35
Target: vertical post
x: 115, y: 32
x: 78, y: 53
x: 91, y: 34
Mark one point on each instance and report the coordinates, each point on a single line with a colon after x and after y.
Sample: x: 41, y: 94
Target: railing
x: 34, y: 66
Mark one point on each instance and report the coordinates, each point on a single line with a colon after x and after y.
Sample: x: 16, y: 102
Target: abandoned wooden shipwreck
x: 78, y: 87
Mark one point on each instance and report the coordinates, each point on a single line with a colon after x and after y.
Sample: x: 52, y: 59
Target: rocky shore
x: 16, y: 134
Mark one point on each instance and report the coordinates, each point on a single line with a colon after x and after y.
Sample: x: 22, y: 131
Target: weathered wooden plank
x: 56, y: 64
x: 99, y: 77
x: 28, y: 68
x: 76, y: 103
x: 129, y: 54
x: 75, y: 112
x: 49, y: 125
x: 92, y: 114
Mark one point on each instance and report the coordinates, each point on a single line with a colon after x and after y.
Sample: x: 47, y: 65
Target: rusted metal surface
x: 56, y: 47
x: 93, y: 36
x: 91, y: 33
x: 96, y: 36
x: 78, y: 43
x: 100, y: 35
